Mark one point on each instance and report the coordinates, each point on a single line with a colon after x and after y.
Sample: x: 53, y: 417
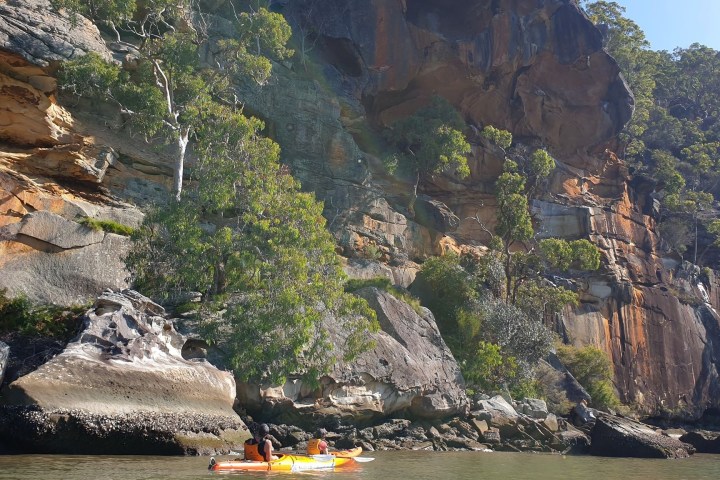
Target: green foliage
x: 261, y: 35
x: 513, y: 223
x: 451, y: 288
x: 714, y: 229
x: 674, y: 134
x: 586, y: 256
x: 592, y: 368
x: 20, y: 315
x: 501, y: 138
x: 495, y: 343
x: 541, y: 163
x: 563, y: 255
x: 89, y: 75
x: 109, y: 226
x: 170, y: 93
x: 431, y: 140
x: 100, y: 10
x: 489, y: 368
x: 666, y: 171
x: 256, y: 247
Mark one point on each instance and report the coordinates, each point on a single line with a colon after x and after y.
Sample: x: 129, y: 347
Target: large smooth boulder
x: 123, y: 387
x: 621, y: 437
x: 410, y: 372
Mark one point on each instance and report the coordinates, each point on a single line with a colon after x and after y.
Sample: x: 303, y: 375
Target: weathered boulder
x: 410, y: 371
x: 51, y: 259
x: 496, y: 411
x: 621, y: 437
x: 534, y: 408
x: 122, y: 387
x: 366, y: 269
x: 703, y: 441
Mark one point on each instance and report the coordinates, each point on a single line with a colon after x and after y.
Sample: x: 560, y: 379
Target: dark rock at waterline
x: 614, y: 436
x: 703, y: 441
x: 74, y: 431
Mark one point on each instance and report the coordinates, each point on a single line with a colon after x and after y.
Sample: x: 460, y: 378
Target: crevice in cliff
x: 341, y: 54
x: 621, y: 328
x: 48, y: 247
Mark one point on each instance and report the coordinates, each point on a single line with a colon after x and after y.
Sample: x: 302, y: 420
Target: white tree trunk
x: 182, y: 142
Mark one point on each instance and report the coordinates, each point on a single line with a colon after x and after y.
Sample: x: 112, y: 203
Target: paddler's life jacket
x: 251, y: 451
x: 313, y: 447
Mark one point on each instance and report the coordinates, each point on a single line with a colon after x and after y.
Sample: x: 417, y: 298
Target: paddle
x: 327, y: 458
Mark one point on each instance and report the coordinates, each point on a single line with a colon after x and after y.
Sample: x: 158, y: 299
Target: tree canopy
x: 173, y: 89
x: 242, y: 235
x: 674, y: 136
x: 255, y: 247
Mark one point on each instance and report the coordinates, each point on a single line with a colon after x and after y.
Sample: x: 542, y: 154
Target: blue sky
x: 676, y: 23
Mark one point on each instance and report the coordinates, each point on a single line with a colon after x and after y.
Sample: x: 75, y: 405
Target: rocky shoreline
x: 495, y: 428
x: 129, y: 383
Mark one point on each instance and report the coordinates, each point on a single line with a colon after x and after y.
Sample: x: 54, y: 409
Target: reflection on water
x: 387, y: 465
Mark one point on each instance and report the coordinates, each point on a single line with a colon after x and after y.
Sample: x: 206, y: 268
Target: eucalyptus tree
x: 170, y: 90
x: 256, y: 248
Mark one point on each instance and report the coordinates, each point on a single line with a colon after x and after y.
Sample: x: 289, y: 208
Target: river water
x: 387, y: 466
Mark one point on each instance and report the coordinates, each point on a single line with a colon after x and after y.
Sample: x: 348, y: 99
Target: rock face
x: 538, y: 70
x: 410, y: 372
x: 534, y: 68
x: 49, y: 257
x: 42, y: 39
x: 621, y: 437
x: 52, y: 168
x: 122, y: 386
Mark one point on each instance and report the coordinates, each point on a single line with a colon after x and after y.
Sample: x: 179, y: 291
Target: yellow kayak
x: 288, y: 463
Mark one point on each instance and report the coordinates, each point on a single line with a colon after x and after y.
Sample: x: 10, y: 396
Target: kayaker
x: 265, y: 447
x: 251, y: 447
x: 318, y: 445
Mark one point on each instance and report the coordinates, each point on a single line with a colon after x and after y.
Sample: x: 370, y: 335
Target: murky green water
x: 387, y: 465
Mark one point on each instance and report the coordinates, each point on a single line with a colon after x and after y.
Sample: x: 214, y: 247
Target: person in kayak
x: 265, y: 448
x: 251, y: 447
x: 318, y: 445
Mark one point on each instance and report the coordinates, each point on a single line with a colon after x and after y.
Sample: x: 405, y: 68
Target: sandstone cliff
x: 534, y: 68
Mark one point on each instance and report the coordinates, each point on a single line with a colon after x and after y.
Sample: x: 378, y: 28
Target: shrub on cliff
x: 592, y: 368
x: 429, y: 142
